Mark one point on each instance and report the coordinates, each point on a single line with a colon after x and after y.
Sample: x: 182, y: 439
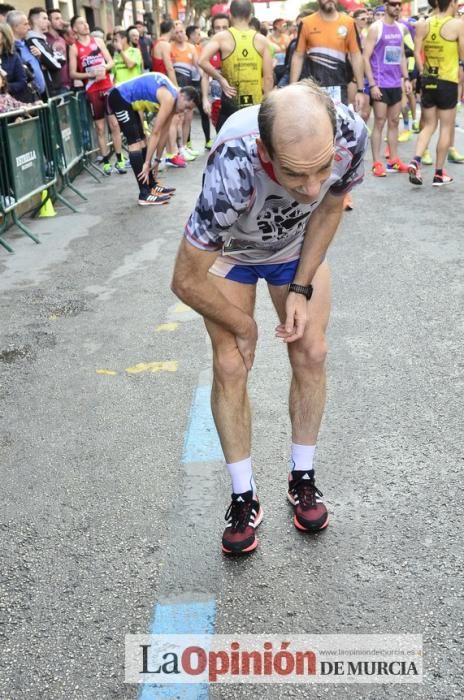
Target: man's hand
x: 144, y: 175
x: 227, y: 89
x: 207, y: 107
x: 376, y: 93
x: 296, y: 309
x: 35, y: 51
x: 358, y: 101
x: 246, y: 344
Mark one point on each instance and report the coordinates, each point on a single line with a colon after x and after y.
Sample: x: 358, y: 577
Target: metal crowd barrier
x: 39, y: 146
x: 66, y: 139
x: 88, y: 135
x: 27, y: 163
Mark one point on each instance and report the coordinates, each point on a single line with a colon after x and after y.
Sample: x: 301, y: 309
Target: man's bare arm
x: 322, y: 226
x: 166, y: 56
x: 268, y: 73
x: 296, y: 67
x: 418, y: 41
x: 73, y: 72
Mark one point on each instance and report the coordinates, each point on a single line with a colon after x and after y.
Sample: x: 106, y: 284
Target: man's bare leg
x: 231, y: 411
x: 307, y: 400
x: 307, y: 358
x: 229, y: 396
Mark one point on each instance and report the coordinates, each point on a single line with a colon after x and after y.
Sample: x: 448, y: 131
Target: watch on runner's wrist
x: 301, y: 289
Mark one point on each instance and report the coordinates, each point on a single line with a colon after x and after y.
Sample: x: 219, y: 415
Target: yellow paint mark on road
x: 107, y: 372
x: 168, y: 366
x: 52, y: 317
x: 167, y: 327
x: 181, y: 308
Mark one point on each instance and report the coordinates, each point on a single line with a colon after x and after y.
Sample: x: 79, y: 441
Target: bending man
x: 271, y: 202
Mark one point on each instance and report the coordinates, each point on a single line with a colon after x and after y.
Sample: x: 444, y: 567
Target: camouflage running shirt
x: 245, y: 212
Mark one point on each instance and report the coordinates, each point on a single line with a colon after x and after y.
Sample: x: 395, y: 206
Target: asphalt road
x: 103, y: 518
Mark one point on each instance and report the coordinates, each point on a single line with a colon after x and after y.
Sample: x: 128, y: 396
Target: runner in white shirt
x: 271, y: 202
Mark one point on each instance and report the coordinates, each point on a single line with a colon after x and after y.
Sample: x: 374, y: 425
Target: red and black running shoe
x: 415, y: 176
x: 243, y: 516
x: 160, y: 189
x: 310, y: 512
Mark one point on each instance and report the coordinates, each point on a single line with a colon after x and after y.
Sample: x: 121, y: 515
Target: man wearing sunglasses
x: 386, y: 69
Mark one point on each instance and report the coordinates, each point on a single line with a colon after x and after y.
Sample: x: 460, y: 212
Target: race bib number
x: 392, y: 55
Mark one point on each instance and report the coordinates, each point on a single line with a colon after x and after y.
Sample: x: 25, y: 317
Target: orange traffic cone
x: 47, y: 209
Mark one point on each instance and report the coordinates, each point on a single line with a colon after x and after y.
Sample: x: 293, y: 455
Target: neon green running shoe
x: 120, y: 166
x: 454, y: 156
x: 427, y: 158
x: 192, y: 151
x: 107, y: 169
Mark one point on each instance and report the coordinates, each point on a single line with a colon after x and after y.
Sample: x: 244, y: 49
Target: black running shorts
x: 390, y: 96
x: 442, y: 94
x: 128, y: 119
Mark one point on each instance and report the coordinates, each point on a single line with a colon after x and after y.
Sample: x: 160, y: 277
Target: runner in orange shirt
x: 327, y: 38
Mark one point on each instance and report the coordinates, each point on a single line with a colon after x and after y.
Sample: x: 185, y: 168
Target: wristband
x: 406, y: 77
x: 361, y: 91
x: 158, y: 160
x: 371, y: 87
x: 300, y: 289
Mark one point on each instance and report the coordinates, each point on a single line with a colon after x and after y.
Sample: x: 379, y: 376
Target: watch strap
x: 301, y: 289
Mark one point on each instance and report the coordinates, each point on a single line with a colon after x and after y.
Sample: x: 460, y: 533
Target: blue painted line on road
x: 201, y: 440
x: 201, y: 444
x: 181, y: 618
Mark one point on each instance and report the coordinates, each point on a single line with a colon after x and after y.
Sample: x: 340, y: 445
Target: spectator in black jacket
x: 11, y: 63
x: 145, y: 43
x: 51, y: 61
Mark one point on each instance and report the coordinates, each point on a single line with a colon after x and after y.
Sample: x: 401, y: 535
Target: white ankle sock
x: 241, y: 474
x: 302, y: 457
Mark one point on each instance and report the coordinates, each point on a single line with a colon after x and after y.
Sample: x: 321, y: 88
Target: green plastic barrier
x: 27, y: 158
x: 27, y: 165
x: 66, y: 137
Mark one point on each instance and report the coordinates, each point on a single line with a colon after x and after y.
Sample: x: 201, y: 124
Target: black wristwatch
x: 300, y: 289
x: 361, y: 91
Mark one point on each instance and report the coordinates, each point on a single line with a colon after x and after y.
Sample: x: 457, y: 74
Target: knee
x: 310, y: 357
x: 229, y: 368
x: 379, y: 122
x: 393, y: 122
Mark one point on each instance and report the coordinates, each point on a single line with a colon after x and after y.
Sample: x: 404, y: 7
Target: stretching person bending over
x: 271, y: 202
x: 156, y: 93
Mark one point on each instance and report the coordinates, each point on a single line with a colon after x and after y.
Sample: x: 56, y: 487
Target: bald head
x: 297, y: 127
x: 294, y: 113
